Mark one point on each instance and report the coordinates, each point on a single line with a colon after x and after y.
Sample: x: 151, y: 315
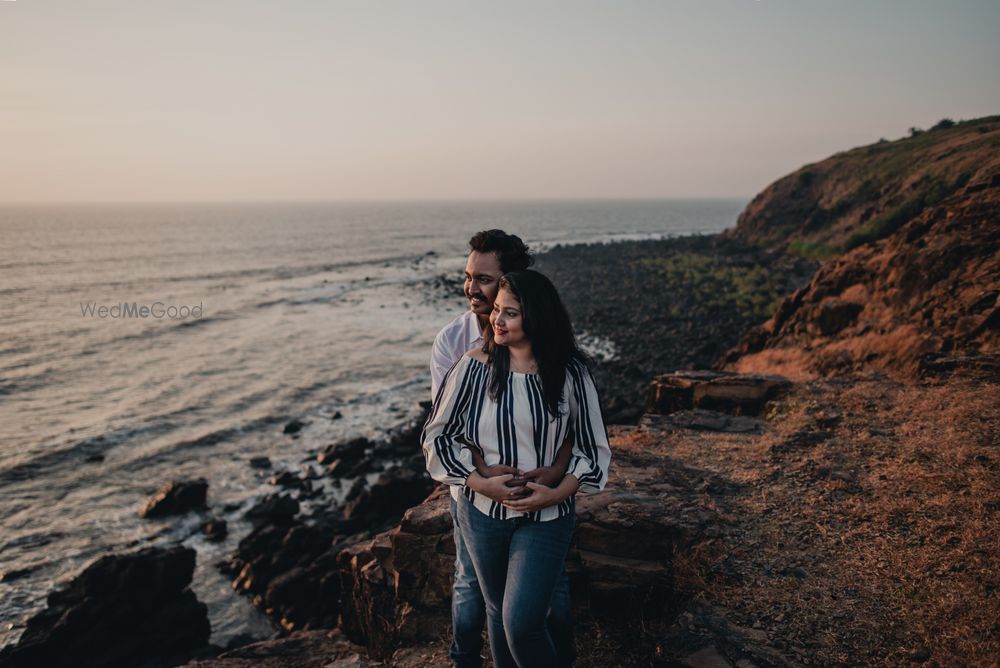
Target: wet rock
x: 16, y: 574
x: 287, y: 479
x: 274, y: 508
x: 293, y: 427
x: 122, y: 610
x: 176, y: 498
x: 349, y: 452
x: 215, y: 529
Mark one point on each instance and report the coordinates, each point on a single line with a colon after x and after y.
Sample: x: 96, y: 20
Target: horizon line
x: 399, y: 200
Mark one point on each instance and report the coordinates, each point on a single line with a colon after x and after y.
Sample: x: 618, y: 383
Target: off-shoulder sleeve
x: 448, y: 460
x: 591, y: 450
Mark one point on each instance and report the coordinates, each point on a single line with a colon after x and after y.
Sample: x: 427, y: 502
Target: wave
x: 210, y: 439
x: 80, y: 451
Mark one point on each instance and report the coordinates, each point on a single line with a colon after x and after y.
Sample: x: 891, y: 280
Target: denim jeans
x: 518, y: 563
x: 468, y: 610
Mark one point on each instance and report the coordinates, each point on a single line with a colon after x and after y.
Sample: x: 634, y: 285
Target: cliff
x: 917, y: 293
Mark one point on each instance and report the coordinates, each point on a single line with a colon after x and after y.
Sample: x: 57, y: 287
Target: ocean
x: 141, y: 344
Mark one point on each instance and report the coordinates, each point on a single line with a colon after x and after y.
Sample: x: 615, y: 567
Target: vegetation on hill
x: 854, y: 197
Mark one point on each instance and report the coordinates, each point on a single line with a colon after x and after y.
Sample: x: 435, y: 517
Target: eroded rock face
x: 122, y: 610
x: 923, y: 300
x: 396, y: 588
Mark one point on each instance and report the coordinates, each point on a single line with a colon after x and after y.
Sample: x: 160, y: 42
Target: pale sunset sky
x: 220, y: 100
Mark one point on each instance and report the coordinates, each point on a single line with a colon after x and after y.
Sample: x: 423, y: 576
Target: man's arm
x: 441, y: 361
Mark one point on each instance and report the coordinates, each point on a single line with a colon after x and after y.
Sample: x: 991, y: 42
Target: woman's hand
x: 543, y: 497
x: 495, y: 487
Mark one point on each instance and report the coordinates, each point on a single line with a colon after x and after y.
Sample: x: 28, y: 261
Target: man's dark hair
x: 510, y: 250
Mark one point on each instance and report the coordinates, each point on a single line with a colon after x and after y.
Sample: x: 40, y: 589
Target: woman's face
x: 507, y: 320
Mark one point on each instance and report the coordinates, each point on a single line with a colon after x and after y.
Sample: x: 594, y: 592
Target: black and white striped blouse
x: 517, y: 431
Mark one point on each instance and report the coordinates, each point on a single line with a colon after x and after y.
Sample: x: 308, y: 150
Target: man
x: 493, y: 253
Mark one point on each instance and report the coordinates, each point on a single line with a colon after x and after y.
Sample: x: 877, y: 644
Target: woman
x: 513, y: 403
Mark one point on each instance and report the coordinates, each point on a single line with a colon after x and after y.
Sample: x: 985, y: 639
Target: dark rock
x: 122, y: 610
x: 260, y: 462
x: 293, y: 427
x: 94, y: 458
x: 388, y: 498
x: 275, y: 508
x: 215, y: 529
x: 175, y: 498
x: 16, y: 574
x: 351, y: 451
x: 287, y: 479
x: 293, y: 573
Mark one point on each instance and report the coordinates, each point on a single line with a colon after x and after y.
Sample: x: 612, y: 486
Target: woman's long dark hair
x: 547, y: 325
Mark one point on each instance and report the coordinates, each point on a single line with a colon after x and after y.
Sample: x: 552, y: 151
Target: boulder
x: 122, y: 610
x: 176, y: 498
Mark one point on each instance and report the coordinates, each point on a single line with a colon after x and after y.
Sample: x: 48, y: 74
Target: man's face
x: 482, y: 281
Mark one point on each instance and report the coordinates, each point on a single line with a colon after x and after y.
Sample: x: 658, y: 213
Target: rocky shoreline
x: 667, y: 304
x: 301, y: 566
x: 843, y: 513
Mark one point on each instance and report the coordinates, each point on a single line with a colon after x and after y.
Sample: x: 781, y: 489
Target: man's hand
x: 550, y: 476
x: 496, y: 469
x: 541, y: 496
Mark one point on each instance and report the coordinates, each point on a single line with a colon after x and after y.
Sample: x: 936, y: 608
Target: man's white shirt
x: 457, y: 338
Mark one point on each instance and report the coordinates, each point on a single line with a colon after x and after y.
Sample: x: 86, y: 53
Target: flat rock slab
x: 732, y: 393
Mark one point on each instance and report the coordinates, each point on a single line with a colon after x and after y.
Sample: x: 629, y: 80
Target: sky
x: 286, y: 100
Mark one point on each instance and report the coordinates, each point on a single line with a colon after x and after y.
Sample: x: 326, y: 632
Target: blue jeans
x: 518, y: 564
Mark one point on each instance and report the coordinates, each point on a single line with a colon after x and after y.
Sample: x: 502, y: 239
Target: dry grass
x: 873, y: 544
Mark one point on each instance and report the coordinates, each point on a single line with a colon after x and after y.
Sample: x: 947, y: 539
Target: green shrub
x: 931, y: 191
x: 811, y: 250
x: 944, y: 124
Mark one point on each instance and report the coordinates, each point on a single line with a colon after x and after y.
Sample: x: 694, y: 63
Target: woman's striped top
x: 517, y: 431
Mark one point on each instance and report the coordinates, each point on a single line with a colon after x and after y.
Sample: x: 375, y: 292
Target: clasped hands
x: 517, y: 490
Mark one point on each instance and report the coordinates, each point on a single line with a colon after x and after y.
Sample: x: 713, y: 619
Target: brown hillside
x: 866, y: 193
x: 923, y: 299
